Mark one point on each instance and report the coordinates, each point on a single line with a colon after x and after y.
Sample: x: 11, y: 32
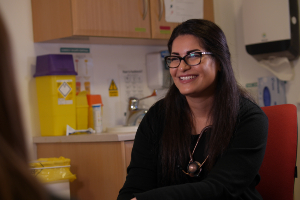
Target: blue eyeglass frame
x: 183, y: 58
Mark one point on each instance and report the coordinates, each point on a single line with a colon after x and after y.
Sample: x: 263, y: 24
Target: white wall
x: 225, y: 13
x: 17, y: 15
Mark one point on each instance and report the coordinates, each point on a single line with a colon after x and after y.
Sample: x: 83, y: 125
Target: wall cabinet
x: 100, y: 167
x: 103, y: 21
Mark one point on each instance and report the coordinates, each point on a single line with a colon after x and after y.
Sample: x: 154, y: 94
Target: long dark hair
x: 16, y: 180
x: 176, y: 138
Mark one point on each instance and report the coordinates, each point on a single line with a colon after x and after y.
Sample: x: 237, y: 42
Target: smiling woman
x: 198, y: 71
x: 206, y: 139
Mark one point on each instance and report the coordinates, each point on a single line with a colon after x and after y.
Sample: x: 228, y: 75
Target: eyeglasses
x: 190, y: 59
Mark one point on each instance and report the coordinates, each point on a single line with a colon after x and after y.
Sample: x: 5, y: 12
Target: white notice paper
x: 181, y: 10
x: 132, y: 82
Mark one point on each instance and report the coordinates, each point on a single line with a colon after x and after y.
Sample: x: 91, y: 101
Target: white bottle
x: 97, y: 118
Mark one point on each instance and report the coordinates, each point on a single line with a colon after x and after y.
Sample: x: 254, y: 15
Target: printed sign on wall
x: 113, y: 90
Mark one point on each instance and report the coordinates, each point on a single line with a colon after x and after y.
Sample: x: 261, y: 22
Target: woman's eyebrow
x: 192, y: 51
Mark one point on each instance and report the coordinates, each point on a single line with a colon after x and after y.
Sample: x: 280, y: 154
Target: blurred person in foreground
x: 16, y: 181
x: 206, y: 139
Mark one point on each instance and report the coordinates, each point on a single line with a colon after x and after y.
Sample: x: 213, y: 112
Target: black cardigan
x: 234, y: 175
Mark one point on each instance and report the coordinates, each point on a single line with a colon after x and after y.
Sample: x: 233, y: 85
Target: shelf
x: 102, y: 137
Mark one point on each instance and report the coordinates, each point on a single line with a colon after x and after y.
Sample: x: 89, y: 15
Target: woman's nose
x: 183, y: 66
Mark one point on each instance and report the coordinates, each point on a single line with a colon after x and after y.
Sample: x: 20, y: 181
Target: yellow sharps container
x: 56, y: 91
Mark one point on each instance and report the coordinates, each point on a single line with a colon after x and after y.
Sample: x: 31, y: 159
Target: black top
x: 234, y: 175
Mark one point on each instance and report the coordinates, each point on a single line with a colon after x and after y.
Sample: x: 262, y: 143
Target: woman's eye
x: 174, y: 59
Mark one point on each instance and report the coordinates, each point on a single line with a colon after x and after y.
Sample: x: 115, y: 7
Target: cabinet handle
x: 161, y: 9
x: 145, y: 9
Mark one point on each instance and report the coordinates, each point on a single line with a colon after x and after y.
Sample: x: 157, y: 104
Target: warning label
x: 113, y: 90
x: 64, y: 89
x: 64, y: 92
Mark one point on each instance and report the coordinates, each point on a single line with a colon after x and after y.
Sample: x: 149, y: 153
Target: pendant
x: 194, y: 169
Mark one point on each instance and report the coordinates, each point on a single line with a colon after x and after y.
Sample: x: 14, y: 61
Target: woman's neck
x: 200, y: 108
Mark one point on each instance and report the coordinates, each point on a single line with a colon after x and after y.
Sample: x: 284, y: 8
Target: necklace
x: 194, y: 167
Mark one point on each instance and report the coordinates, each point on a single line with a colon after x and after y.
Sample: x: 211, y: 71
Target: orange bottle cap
x: 94, y: 99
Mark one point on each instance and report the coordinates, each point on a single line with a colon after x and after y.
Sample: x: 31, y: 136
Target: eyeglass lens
x: 190, y: 59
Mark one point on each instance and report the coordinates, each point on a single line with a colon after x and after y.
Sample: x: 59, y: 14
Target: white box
x: 157, y: 72
x: 271, y: 91
x: 59, y: 188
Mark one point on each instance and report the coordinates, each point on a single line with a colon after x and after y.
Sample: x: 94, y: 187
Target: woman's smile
x: 187, y: 79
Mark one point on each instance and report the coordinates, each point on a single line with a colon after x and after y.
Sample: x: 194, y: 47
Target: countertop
x: 101, y: 137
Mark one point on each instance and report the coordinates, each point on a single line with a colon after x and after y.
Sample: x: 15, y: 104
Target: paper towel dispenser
x: 271, y: 28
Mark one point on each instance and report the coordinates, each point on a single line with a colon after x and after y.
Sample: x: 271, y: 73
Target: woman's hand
x: 134, y: 198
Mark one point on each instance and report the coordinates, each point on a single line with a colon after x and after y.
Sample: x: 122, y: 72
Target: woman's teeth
x: 186, y: 77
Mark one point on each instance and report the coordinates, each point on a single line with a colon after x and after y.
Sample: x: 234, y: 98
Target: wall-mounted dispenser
x: 271, y: 28
x: 157, y: 71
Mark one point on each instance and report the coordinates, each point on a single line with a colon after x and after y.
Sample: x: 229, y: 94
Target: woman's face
x: 198, y: 80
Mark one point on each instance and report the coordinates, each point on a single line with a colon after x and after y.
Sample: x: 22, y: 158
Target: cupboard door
x: 51, y: 19
x: 128, y: 148
x: 160, y: 28
x: 99, y: 167
x: 111, y: 18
